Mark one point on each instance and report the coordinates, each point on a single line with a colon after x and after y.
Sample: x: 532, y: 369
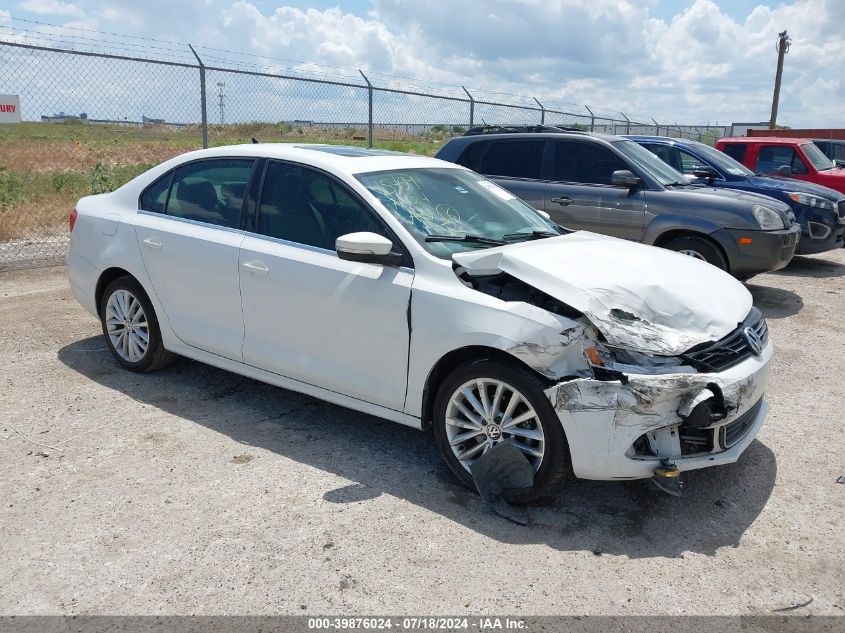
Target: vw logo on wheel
x: 755, y: 343
x: 494, y: 432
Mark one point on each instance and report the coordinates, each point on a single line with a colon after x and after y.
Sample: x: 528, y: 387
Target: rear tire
x: 699, y: 248
x: 131, y: 328
x: 541, y: 432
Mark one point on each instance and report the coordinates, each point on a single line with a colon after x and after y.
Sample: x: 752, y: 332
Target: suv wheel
x: 699, y: 248
x: 487, y: 402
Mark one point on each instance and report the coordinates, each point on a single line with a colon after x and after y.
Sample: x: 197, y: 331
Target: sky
x: 685, y: 61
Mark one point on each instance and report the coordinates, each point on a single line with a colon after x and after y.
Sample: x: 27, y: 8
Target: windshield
x: 722, y: 161
x: 817, y: 157
x: 659, y: 170
x: 454, y: 203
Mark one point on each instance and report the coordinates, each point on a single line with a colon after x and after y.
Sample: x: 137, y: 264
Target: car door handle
x: 255, y: 267
x: 562, y: 200
x: 152, y: 244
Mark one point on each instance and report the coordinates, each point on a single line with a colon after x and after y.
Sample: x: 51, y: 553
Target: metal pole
x: 627, y: 123
x: 656, y: 127
x: 542, y: 112
x: 202, y: 99
x: 782, y: 47
x: 592, y: 119
x: 471, y: 108
x: 370, y: 110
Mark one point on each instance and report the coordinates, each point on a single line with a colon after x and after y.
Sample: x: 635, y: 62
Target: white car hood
x: 677, y: 302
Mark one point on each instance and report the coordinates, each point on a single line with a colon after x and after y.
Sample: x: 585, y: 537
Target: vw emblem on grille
x: 755, y: 343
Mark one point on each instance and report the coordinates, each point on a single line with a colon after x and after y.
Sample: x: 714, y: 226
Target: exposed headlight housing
x: 631, y: 362
x: 768, y: 219
x: 809, y: 200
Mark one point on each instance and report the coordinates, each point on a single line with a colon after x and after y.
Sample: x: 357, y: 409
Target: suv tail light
x: 72, y: 220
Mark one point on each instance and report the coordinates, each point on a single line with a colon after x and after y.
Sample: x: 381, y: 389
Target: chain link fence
x: 92, y: 120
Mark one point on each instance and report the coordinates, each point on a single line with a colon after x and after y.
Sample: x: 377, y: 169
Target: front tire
x: 131, y: 328
x: 698, y: 248
x: 486, y: 402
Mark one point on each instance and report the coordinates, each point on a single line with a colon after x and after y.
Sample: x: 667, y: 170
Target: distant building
x: 741, y: 129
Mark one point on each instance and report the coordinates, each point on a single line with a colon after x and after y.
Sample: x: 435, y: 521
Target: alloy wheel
x: 692, y: 253
x: 126, y: 326
x: 485, y: 412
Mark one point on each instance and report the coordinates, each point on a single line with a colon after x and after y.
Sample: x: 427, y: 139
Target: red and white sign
x: 10, y: 109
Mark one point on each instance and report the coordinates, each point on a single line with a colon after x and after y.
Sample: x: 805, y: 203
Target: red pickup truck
x: 797, y: 158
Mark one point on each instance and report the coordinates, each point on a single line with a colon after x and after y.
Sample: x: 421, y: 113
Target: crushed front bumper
x: 622, y: 431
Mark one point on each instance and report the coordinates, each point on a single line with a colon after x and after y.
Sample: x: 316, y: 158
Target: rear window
x: 513, y: 159
x: 735, y: 150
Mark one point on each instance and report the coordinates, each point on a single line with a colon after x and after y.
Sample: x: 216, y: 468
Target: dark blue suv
x: 819, y: 210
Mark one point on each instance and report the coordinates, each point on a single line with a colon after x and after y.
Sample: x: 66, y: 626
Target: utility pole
x: 782, y: 48
x: 221, y: 96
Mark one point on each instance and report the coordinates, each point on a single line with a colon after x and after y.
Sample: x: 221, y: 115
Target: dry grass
x: 45, y: 168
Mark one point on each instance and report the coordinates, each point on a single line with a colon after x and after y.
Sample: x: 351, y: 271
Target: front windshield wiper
x: 529, y: 235
x: 677, y: 183
x: 472, y: 239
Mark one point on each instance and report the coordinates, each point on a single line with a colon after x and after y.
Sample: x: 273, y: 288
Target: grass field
x: 46, y: 167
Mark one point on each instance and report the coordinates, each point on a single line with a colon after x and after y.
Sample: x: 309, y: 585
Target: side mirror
x: 624, y: 178
x: 708, y: 173
x: 543, y: 213
x: 369, y: 248
x: 839, y: 162
x: 784, y: 170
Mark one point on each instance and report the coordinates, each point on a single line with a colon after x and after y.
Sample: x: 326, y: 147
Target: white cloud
x: 51, y: 7
x: 702, y: 65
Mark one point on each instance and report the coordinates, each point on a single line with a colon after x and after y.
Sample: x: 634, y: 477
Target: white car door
x: 310, y: 315
x: 188, y: 230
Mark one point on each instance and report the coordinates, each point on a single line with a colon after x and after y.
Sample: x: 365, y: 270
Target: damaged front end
x: 637, y: 412
x: 664, y: 365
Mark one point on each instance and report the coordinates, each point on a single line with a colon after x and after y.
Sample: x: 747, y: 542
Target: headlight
x: 631, y: 362
x: 768, y: 219
x: 809, y: 200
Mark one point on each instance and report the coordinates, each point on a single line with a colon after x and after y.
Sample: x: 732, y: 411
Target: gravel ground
x: 193, y: 490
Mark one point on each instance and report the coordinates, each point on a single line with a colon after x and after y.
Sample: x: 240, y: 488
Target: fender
x: 674, y: 222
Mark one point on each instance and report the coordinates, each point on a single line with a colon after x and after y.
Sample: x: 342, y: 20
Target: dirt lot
x: 193, y: 490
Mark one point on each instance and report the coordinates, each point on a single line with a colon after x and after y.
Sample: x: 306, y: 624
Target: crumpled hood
x: 639, y: 297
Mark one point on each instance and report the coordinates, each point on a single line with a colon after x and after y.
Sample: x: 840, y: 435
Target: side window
x: 471, y: 156
x: 669, y: 155
x: 515, y: 159
x: 585, y: 162
x: 210, y: 190
x: 690, y: 163
x: 735, y: 150
x: 302, y: 205
x: 154, y: 197
x: 773, y: 157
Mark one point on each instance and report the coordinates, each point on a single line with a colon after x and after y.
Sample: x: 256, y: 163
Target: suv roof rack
x: 518, y: 129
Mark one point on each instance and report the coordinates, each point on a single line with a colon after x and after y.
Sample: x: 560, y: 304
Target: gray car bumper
x: 768, y: 250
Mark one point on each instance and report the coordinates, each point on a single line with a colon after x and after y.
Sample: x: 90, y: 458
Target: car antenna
x: 254, y: 140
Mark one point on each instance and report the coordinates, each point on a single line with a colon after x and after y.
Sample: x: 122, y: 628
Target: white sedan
x: 418, y: 291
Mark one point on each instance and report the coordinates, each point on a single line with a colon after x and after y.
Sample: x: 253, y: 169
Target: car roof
x: 660, y: 139
x: 539, y: 135
x: 334, y: 158
x: 781, y: 140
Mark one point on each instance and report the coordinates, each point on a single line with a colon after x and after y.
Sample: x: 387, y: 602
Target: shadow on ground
x: 775, y: 303
x: 802, y: 266
x: 380, y: 457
